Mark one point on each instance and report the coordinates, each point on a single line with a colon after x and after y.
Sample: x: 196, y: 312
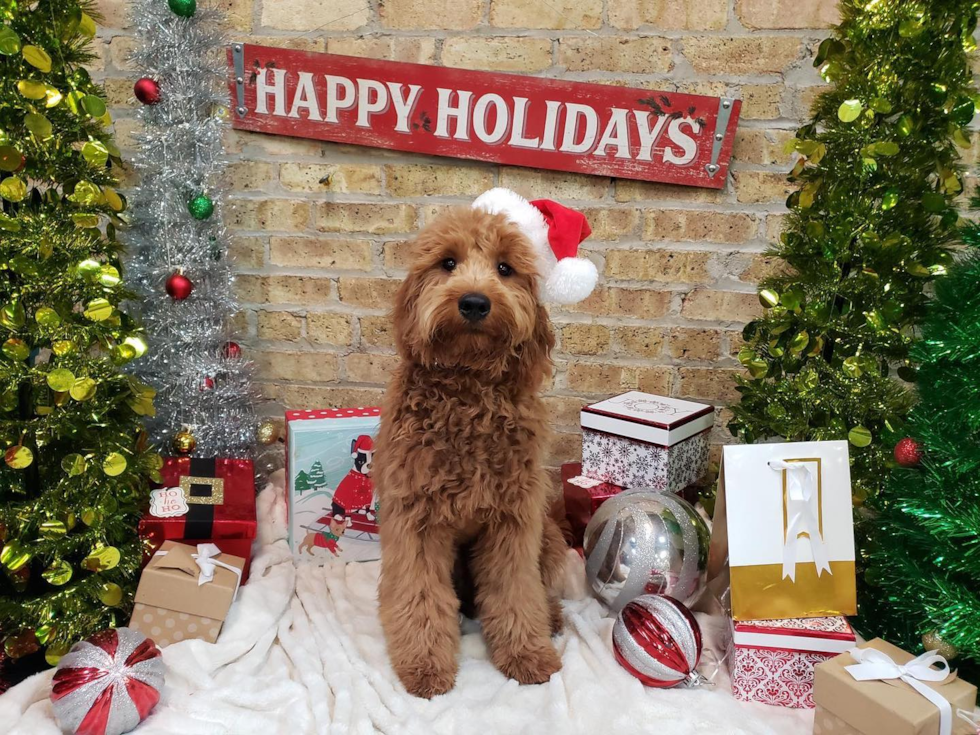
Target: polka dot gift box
x: 186, y: 592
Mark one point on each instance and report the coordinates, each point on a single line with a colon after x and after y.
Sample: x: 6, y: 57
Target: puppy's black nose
x: 474, y: 306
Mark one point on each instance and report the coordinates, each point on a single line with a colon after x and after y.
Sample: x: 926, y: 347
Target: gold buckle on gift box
x: 217, y: 496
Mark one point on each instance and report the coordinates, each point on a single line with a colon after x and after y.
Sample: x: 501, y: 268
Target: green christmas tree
x: 316, y: 477
x: 76, y: 463
x: 924, y: 571
x: 870, y: 226
x: 303, y: 482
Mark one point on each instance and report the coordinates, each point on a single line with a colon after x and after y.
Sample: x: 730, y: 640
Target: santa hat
x: 555, y: 232
x: 364, y: 444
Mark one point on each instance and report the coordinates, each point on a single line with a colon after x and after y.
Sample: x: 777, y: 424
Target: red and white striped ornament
x: 658, y: 640
x: 108, y: 684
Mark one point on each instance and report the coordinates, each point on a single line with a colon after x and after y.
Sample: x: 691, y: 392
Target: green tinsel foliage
x: 870, y: 226
x: 75, y: 464
x: 924, y: 570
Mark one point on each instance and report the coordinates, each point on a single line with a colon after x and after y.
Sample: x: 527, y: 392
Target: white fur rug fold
x: 302, y: 654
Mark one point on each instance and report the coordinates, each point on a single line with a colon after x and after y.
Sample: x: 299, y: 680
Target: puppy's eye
x: 449, y: 264
x: 505, y: 270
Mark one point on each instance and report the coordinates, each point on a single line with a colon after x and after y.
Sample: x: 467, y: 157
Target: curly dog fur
x: 459, y: 460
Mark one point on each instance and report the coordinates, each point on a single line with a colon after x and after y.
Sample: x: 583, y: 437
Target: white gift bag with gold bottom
x: 783, y: 520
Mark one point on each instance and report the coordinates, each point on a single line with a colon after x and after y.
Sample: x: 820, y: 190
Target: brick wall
x: 320, y: 229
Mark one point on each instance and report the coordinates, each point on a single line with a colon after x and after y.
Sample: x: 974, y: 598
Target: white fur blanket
x: 302, y: 653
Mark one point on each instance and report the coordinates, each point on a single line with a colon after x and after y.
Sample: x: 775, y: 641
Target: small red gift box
x: 204, y: 500
x: 583, y: 496
x: 773, y: 660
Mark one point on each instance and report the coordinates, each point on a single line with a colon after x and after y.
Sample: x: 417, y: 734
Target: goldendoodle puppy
x: 459, y: 460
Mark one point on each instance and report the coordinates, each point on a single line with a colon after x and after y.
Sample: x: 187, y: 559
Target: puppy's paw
x: 426, y: 681
x: 555, y: 616
x: 531, y: 666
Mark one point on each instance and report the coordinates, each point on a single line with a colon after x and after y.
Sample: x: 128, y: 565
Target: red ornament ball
x: 179, y: 286
x: 908, y: 452
x: 147, y: 91
x: 658, y: 640
x: 232, y: 350
x: 108, y: 684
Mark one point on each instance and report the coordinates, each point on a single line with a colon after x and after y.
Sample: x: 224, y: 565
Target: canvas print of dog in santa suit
x: 333, y: 511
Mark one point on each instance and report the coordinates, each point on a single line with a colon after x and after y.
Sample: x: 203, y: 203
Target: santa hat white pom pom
x: 555, y: 233
x: 571, y: 280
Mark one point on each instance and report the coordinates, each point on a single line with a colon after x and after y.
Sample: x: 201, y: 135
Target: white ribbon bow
x: 206, y: 562
x: 877, y: 666
x: 801, y: 515
x: 204, y: 558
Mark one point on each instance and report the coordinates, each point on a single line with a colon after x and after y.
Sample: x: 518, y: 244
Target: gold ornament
x: 110, y: 594
x: 54, y: 652
x: 268, y: 432
x: 184, y: 442
x: 101, y: 559
x: 933, y: 641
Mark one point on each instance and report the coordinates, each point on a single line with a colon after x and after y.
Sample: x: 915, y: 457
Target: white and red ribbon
x: 873, y: 665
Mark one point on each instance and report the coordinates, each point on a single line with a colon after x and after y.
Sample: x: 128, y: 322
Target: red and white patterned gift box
x: 642, y: 440
x: 772, y: 661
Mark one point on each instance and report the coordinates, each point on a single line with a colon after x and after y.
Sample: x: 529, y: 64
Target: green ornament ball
x: 201, y: 207
x: 183, y: 8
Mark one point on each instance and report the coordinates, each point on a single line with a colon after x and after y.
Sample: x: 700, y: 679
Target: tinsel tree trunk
x: 924, y: 571
x: 178, y: 246
x: 76, y: 467
x: 870, y: 226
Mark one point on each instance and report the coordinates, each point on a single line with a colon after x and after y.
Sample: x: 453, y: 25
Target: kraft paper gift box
x: 333, y: 511
x: 203, y: 500
x: 783, y: 525
x: 855, y: 701
x: 186, y: 592
x: 772, y: 661
x: 642, y: 440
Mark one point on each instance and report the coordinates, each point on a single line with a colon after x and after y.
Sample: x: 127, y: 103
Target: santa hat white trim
x: 565, y: 281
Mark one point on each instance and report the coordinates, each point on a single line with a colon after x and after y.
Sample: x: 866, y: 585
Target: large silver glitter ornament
x: 108, y: 684
x: 645, y: 542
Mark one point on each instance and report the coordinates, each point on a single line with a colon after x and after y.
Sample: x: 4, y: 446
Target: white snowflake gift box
x: 642, y: 440
x: 772, y: 661
x: 333, y: 510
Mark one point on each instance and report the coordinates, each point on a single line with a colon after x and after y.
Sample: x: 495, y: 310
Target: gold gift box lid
x: 891, y: 706
x: 170, y: 581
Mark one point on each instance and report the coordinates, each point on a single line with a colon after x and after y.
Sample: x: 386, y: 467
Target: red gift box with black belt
x: 204, y: 500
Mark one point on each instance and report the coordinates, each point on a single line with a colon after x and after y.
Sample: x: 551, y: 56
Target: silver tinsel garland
x: 181, y: 155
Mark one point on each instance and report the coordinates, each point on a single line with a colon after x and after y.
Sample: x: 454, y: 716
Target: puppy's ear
x: 534, y: 355
x: 404, y: 315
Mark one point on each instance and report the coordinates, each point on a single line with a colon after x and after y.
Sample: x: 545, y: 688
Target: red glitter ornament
x: 908, y: 452
x: 179, y: 286
x: 147, y: 91
x: 207, y: 383
x: 657, y: 640
x: 232, y: 350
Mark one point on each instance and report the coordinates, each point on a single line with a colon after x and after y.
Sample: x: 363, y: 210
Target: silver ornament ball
x: 642, y: 541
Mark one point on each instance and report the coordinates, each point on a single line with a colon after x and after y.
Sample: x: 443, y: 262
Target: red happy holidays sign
x: 503, y: 118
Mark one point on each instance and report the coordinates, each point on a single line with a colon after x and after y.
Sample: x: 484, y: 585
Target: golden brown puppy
x: 459, y: 459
